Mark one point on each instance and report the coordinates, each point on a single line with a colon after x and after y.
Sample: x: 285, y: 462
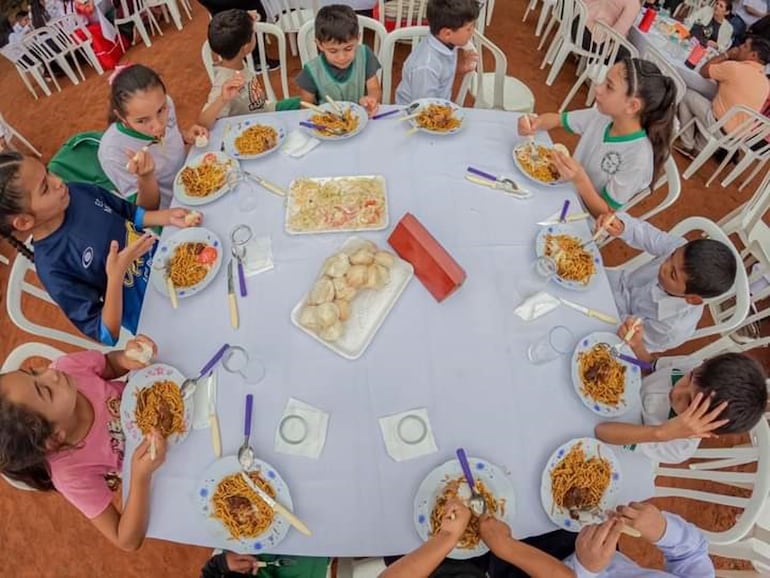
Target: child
x: 232, y: 565
x: 235, y: 90
x: 21, y: 26
x: 724, y: 394
x: 142, y: 150
x: 429, y: 71
x: 667, y: 293
x: 89, y: 251
x: 345, y: 69
x: 625, y: 139
x: 60, y: 430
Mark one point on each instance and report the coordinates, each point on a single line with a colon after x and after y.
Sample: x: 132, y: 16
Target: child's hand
x: 140, y: 163
x: 634, y: 328
x: 614, y: 228
x: 569, y: 169
x: 240, y: 563
x: 493, y: 532
x: 645, y: 518
x: 135, y: 355
x: 470, y: 61
x: 118, y: 262
x: 596, y: 544
x: 141, y: 464
x: 528, y: 124
x: 696, y: 421
x: 456, y: 518
x: 232, y: 87
x: 370, y: 104
x: 194, y: 132
x: 179, y: 217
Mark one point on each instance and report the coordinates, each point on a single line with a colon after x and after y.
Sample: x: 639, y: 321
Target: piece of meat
x: 165, y: 418
x: 575, y: 500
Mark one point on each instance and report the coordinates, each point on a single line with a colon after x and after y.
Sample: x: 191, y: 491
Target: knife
x: 232, y: 303
x: 216, y: 438
x: 264, y: 183
x: 554, y: 219
x: 276, y: 506
x: 591, y: 312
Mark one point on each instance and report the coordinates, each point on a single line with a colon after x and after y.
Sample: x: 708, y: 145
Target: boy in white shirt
x: 235, y: 90
x: 429, y: 71
x: 667, y: 293
x: 680, y: 406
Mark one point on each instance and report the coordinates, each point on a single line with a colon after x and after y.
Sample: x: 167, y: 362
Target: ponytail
x: 658, y: 95
x: 11, y: 200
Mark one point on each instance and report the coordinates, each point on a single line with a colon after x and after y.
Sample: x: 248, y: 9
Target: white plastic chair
x: 14, y: 361
x: 495, y: 89
x: 560, y: 11
x: 27, y: 65
x: 46, y: 46
x: 18, y: 286
x: 135, y: 18
x: 309, y: 50
x: 170, y: 8
x: 565, y: 43
x: 290, y: 15
x: 71, y: 27
x: 402, y: 13
x: 671, y: 179
x: 415, y: 34
x: 712, y: 470
x: 753, y: 128
x: 726, y: 319
x: 546, y: 10
x: 13, y: 133
x: 668, y: 69
x: 757, y: 150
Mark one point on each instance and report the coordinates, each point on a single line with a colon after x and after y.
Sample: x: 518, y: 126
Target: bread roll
x: 328, y: 314
x: 377, y: 276
x: 343, y: 290
x: 322, y: 292
x: 561, y: 148
x: 344, y: 307
x: 308, y: 317
x: 337, y: 265
x: 332, y: 333
x: 385, y: 259
x: 356, y: 276
x: 362, y: 257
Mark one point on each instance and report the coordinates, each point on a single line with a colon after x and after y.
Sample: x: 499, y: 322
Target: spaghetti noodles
x: 591, y: 476
x: 573, y: 262
x: 603, y: 378
x: 160, y: 407
x: 538, y: 166
x: 204, y: 179
x: 471, y: 537
x: 334, y: 124
x: 438, y: 118
x: 185, y: 268
x: 240, y: 509
x: 256, y: 140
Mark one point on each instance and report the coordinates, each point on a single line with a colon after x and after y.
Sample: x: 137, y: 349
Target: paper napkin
x: 298, y: 143
x: 392, y: 430
x: 316, y: 421
x: 259, y: 256
x: 536, y: 306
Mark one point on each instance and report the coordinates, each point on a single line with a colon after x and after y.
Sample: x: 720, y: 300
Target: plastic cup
x: 557, y: 342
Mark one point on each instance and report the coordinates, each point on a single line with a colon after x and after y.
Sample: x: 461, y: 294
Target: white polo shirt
x: 428, y: 72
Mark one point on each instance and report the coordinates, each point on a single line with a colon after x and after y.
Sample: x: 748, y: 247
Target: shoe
x: 271, y: 65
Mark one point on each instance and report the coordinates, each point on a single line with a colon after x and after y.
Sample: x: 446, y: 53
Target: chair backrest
x: 674, y: 188
x: 43, y: 43
x: 474, y: 80
x: 396, y: 14
x: 609, y: 42
x: 306, y: 38
x: 654, y: 56
x: 290, y: 15
x: 407, y: 33
x: 208, y: 60
x: 713, y: 470
x: 69, y: 23
x: 576, y: 24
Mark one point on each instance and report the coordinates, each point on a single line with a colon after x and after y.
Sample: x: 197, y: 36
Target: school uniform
x: 321, y: 78
x: 428, y: 72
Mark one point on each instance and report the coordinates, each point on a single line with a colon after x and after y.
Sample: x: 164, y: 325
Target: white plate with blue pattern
x: 238, y: 126
x: 356, y: 109
x: 592, y: 447
x: 573, y: 230
x: 165, y: 251
x: 423, y: 103
x: 494, y: 478
x: 633, y: 375
x: 268, y: 540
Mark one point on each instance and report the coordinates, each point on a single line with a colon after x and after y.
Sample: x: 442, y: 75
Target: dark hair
x: 132, y: 79
x: 39, y: 15
x: 452, y: 14
x: 336, y: 23
x: 229, y: 31
x: 710, y: 267
x: 728, y: 5
x: 23, y: 445
x: 658, y: 95
x: 12, y: 199
x: 761, y: 28
x: 762, y: 47
x: 738, y: 380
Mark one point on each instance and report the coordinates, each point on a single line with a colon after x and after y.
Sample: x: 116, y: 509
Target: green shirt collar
x: 623, y: 137
x: 134, y: 133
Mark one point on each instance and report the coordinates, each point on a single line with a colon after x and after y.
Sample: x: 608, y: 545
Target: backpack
x: 77, y: 161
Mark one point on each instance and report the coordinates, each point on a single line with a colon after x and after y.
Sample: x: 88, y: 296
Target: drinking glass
x: 237, y: 360
x: 557, y: 342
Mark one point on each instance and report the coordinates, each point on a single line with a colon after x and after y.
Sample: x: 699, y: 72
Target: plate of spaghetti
x: 438, y: 116
x: 191, y: 257
x: 253, y: 138
x: 326, y: 205
x: 576, y: 265
x: 235, y: 514
x: 447, y: 481
x: 206, y: 178
x: 537, y: 168
x: 151, y: 400
x: 606, y: 385
x: 582, y: 474
x: 352, y: 122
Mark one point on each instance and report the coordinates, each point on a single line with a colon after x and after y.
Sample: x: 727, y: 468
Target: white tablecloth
x: 464, y: 359
x: 676, y: 55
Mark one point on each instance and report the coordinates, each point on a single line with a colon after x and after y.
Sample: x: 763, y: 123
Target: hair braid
x: 12, y: 200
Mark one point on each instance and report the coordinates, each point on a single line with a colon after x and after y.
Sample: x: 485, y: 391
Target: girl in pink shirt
x: 60, y: 430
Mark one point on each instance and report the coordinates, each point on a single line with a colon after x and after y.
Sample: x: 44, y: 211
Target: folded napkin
x: 259, y: 256
x: 316, y: 422
x: 536, y: 306
x: 298, y: 143
x: 200, y: 400
x: 402, y: 428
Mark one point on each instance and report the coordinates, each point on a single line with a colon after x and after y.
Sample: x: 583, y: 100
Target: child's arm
x: 307, y: 96
x: 371, y: 102
x: 636, y: 341
x: 178, y: 217
x: 119, y: 363
x: 127, y: 529
x: 229, y: 91
x: 640, y: 234
x: 534, y: 562
x: 571, y: 170
x: 529, y: 124
x: 141, y: 164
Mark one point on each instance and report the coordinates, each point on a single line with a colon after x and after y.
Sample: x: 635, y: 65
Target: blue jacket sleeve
x: 116, y: 204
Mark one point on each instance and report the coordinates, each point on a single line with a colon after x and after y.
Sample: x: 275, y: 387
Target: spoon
x: 189, y: 385
x: 245, y: 453
x: 477, y: 503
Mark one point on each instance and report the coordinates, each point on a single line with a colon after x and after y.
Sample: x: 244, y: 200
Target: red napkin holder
x: 433, y: 266
x: 647, y: 20
x: 696, y: 55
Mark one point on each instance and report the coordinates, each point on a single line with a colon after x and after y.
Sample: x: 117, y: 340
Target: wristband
x: 139, y: 218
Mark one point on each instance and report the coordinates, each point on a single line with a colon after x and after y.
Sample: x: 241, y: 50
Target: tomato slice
x: 207, y: 256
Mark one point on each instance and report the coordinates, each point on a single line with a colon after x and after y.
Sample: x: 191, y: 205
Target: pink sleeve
x: 626, y: 18
x: 83, y: 361
x: 88, y: 493
x: 722, y: 71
